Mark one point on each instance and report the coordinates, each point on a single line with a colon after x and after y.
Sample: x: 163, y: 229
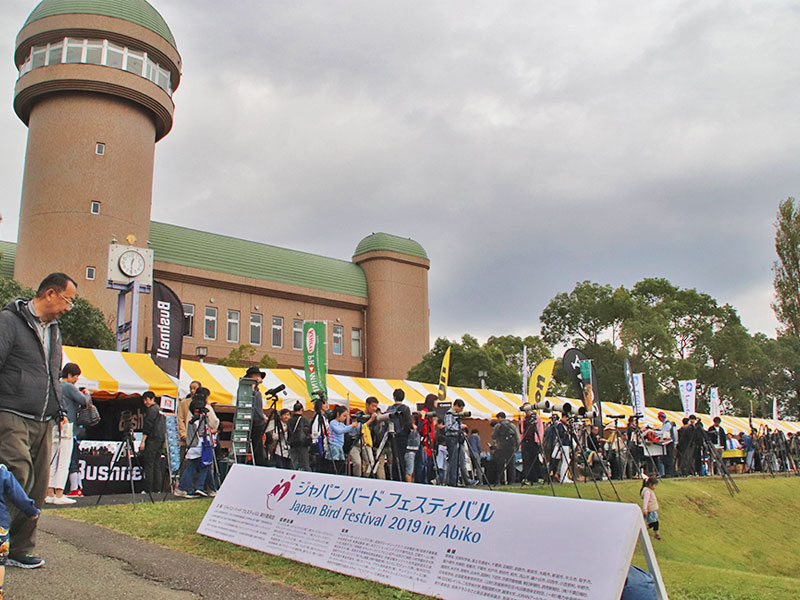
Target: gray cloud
x: 526, y: 146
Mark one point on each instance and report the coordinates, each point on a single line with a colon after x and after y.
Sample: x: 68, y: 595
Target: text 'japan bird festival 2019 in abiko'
x: 441, y: 541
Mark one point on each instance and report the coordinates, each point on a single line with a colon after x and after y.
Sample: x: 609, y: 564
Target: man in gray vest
x: 30, y: 398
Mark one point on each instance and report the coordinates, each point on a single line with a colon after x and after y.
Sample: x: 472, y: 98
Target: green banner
x: 314, y: 358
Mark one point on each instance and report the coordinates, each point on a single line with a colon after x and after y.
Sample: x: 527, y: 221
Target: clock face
x: 131, y: 263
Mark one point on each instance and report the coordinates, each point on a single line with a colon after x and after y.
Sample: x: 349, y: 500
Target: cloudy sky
x: 525, y: 145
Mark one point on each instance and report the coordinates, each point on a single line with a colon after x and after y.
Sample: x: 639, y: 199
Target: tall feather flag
x: 444, y: 376
x: 540, y: 380
x: 537, y: 390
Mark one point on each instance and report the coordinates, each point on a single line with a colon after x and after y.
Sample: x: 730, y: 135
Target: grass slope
x: 715, y: 547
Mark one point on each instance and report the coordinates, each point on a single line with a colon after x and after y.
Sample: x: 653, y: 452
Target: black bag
x: 88, y: 416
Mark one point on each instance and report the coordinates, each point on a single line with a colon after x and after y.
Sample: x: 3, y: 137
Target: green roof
x: 223, y: 254
x: 8, y: 253
x: 392, y: 243
x: 135, y: 11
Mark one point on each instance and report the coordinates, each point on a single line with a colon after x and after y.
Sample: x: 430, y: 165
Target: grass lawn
x: 714, y: 547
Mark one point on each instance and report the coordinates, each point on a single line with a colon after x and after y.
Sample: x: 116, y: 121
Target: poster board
x: 451, y: 543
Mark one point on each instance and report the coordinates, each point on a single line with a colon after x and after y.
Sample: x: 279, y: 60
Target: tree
x: 467, y: 358
x: 787, y: 267
x: 239, y: 357
x: 84, y: 325
x: 588, y: 312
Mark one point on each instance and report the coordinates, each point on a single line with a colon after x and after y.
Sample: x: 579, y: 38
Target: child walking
x: 11, y: 490
x: 650, y: 504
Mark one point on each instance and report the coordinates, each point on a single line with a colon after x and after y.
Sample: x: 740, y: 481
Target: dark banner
x: 167, y: 329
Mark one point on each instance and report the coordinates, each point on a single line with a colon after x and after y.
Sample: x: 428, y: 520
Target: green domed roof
x: 135, y: 11
x: 392, y: 243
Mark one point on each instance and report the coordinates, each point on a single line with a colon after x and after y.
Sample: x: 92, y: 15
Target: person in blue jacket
x: 11, y: 490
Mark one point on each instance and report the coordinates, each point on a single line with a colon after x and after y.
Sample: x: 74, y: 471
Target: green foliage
x: 239, y: 357
x: 500, y: 357
x: 267, y: 362
x: 787, y: 267
x: 84, y: 326
x: 244, y: 356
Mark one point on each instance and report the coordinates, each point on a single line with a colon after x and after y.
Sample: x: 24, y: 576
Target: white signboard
x: 451, y: 543
x: 688, y: 395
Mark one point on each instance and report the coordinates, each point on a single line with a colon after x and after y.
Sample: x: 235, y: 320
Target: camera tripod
x: 280, y: 432
x: 381, y: 452
x: 538, y: 459
x: 717, y: 462
x: 477, y: 468
x: 127, y: 451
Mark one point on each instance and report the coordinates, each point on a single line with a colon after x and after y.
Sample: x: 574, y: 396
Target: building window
x: 297, y: 334
x: 338, y: 334
x: 97, y: 52
x: 100, y: 149
x: 90, y: 273
x: 255, y: 329
x: 188, y: 320
x: 95, y: 208
x: 233, y: 326
x: 277, y: 332
x: 210, y: 329
x: 355, y: 343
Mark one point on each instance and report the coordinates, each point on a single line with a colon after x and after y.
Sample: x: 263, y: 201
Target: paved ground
x: 87, y: 561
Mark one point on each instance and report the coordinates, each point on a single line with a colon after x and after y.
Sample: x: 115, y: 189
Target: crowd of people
x: 435, y: 446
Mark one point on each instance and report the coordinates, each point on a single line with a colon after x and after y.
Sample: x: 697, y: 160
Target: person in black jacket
x: 154, y: 432
x: 30, y: 398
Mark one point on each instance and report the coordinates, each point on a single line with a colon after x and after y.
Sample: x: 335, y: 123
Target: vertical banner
x: 629, y: 381
x: 588, y: 391
x: 638, y: 394
x: 713, y: 402
x: 540, y: 380
x: 688, y: 391
x: 314, y: 358
x: 775, y: 411
x: 167, y: 329
x: 444, y: 376
x: 524, y: 373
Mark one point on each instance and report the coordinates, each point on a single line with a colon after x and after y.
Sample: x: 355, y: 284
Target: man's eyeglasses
x: 70, y: 301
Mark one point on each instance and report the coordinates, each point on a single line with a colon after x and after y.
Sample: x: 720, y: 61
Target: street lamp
x: 201, y: 352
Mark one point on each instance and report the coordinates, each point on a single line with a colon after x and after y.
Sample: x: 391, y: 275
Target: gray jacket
x: 29, y: 385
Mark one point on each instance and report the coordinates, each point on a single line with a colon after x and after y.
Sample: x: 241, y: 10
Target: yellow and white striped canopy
x: 126, y: 373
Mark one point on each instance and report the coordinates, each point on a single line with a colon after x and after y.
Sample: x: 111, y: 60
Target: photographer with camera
x: 201, y: 423
x: 372, y: 436
x: 562, y: 447
x: 278, y: 430
x: 454, y: 439
x: 505, y: 439
x: 299, y: 438
x: 258, y: 424
x: 154, y: 434
x: 361, y: 443
x: 338, y: 429
x: 400, y: 419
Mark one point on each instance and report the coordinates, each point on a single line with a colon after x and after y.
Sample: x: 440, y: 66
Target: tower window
x: 90, y: 273
x: 100, y: 149
x: 338, y: 339
x: 95, y: 208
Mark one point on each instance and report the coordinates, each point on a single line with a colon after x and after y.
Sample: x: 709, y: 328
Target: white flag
x: 638, y: 394
x: 713, y: 403
x: 775, y: 409
x: 687, y: 390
